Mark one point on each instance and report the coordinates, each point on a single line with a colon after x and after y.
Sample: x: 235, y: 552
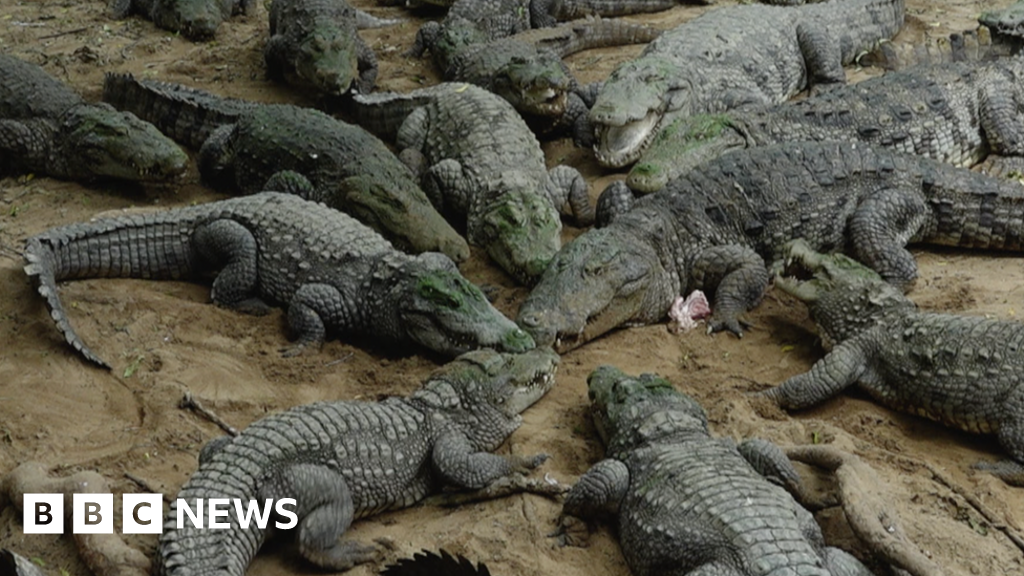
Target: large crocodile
x: 195, y: 19
x: 714, y: 228
x: 957, y: 112
x: 313, y: 43
x: 688, y: 503
x: 250, y: 147
x: 731, y: 57
x: 46, y: 128
x: 333, y: 273
x: 963, y: 371
x: 527, y: 70
x: 346, y: 460
x: 482, y: 164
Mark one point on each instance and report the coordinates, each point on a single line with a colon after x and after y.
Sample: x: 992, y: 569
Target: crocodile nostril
x: 530, y: 320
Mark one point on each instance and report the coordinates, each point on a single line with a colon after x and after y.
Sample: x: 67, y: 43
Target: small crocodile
x: 962, y: 371
x: 346, y: 460
x: 688, y: 503
x: 527, y: 70
x: 313, y: 43
x: 332, y: 273
x: 731, y: 57
x: 194, y: 19
x: 251, y: 147
x: 46, y: 128
x: 482, y: 164
x: 956, y: 112
x: 714, y: 228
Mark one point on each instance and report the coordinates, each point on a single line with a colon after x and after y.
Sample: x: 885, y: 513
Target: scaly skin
x: 527, y: 69
x: 962, y: 371
x: 313, y: 43
x: 331, y: 272
x: 194, y: 19
x: 47, y: 129
x: 731, y: 57
x: 346, y: 460
x: 249, y: 147
x: 482, y: 165
x: 957, y: 113
x: 715, y: 228
x: 689, y: 504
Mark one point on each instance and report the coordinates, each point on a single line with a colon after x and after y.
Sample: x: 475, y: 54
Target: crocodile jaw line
x: 619, y: 146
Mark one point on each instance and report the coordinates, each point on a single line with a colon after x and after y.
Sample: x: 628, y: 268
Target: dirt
x: 164, y: 339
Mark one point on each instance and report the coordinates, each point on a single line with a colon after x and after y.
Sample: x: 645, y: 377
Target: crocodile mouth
x: 596, y: 324
x: 619, y: 146
x: 544, y: 101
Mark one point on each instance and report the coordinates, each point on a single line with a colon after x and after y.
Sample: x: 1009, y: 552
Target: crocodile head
x: 484, y: 392
x: 96, y: 140
x: 326, y: 59
x: 844, y: 296
x: 393, y: 204
x: 521, y: 232
x: 538, y: 85
x: 1006, y: 22
x: 631, y: 106
x: 603, y: 279
x: 456, y: 33
x: 441, y: 310
x: 682, y: 146
x: 195, y: 19
x: 630, y: 411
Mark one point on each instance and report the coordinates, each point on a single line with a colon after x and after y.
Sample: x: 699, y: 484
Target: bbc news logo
x: 143, y: 513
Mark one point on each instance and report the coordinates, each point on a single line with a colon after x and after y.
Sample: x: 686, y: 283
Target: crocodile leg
x: 567, y: 185
x: 312, y: 309
x: 231, y: 245
x: 598, y: 491
x: 1011, y: 437
x: 368, y: 67
x: 737, y: 278
x: 460, y: 464
x: 771, y: 462
x: 439, y: 179
x: 324, y: 503
x: 839, y: 369
x: 1000, y: 114
x: 822, y: 56
x: 616, y: 199
x: 290, y: 182
x: 879, y: 230
x: 841, y: 563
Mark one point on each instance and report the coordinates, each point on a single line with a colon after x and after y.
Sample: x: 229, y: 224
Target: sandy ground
x: 164, y: 339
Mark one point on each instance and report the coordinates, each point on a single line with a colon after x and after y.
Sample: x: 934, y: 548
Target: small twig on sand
x: 873, y: 520
x: 190, y: 403
x: 340, y: 360
x: 147, y: 486
x: 65, y: 33
x: 499, y: 489
x: 104, y: 554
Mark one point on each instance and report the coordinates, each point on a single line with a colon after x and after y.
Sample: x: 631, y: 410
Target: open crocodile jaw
x: 620, y: 146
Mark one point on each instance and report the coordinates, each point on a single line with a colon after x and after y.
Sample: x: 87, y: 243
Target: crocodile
x: 686, y: 502
x: 249, y: 147
x: 482, y: 164
x: 194, y: 19
x: 956, y: 112
x: 345, y: 460
x: 46, y: 128
x: 331, y: 272
x: 314, y: 44
x: 714, y: 228
x: 959, y: 370
x: 527, y: 70
x: 731, y: 57
x: 427, y: 563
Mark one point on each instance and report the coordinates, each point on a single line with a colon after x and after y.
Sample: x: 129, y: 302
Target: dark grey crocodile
x: 731, y: 57
x: 687, y: 503
x: 195, y: 19
x: 714, y: 228
x: 332, y: 273
x: 313, y: 43
x: 428, y: 563
x: 249, y: 147
x: 527, y: 70
x: 962, y: 371
x: 346, y: 460
x: 957, y: 112
x: 46, y: 128
x: 482, y: 164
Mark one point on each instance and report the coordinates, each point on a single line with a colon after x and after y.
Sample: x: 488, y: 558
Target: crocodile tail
x: 971, y: 210
x: 589, y: 33
x: 185, y: 114
x: 968, y: 46
x: 384, y: 112
x: 427, y: 563
x: 150, y: 246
